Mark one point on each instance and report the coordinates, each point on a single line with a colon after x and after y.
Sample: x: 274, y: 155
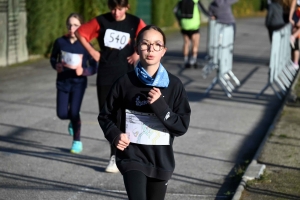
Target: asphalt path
x: 224, y: 133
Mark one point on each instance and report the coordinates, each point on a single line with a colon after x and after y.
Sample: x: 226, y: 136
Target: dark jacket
x: 221, y: 10
x: 68, y: 77
x: 172, y: 110
x: 113, y: 62
x: 274, y: 16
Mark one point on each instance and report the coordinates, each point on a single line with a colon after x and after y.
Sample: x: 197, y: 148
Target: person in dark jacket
x: 220, y: 10
x: 72, y: 63
x: 274, y: 18
x: 116, y: 32
x: 154, y: 110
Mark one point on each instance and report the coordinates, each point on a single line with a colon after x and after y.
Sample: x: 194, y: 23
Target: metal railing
x: 220, y: 55
x: 281, y: 70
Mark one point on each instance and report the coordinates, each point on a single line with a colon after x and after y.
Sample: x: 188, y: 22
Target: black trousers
x: 271, y: 29
x: 68, y: 107
x: 141, y: 187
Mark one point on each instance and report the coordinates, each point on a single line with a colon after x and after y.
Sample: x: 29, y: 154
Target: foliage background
x: 46, y: 20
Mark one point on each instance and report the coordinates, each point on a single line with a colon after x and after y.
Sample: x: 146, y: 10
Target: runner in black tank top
x: 116, y: 32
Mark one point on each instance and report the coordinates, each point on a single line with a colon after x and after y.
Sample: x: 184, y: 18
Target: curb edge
x: 246, y: 177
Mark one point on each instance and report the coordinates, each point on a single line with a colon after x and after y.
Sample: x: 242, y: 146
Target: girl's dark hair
x: 77, y: 16
x: 148, y: 27
x: 117, y: 3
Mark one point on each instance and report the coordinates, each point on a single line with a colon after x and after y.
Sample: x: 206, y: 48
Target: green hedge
x: 162, y: 12
x: 246, y: 7
x: 46, y: 19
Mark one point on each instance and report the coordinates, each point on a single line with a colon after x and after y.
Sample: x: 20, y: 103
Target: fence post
x: 281, y: 71
x: 220, y: 53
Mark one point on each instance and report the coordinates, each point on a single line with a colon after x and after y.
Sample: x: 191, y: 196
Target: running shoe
x: 70, y: 129
x: 76, y: 147
x: 187, y: 66
x: 112, y: 167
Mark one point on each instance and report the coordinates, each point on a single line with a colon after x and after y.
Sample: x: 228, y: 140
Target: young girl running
x: 70, y: 59
x: 116, y: 32
x: 154, y: 110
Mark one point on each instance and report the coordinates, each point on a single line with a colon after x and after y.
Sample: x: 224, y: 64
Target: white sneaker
x: 296, y: 67
x: 112, y: 167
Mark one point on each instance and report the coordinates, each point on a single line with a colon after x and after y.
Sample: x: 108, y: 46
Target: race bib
x: 71, y: 59
x: 116, y: 39
x: 145, y: 128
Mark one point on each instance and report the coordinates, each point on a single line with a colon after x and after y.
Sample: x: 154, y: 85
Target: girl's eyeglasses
x: 156, y: 46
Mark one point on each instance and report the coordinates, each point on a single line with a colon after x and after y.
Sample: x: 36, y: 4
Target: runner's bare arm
x: 93, y: 52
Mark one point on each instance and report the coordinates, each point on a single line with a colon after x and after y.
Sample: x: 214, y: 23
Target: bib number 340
x: 116, y: 39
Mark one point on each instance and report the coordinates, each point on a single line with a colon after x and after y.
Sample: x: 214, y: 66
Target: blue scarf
x: 161, y: 79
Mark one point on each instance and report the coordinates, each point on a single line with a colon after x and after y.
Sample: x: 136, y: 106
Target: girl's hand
x: 96, y: 55
x: 122, y: 141
x: 292, y: 22
x: 79, y: 71
x: 154, y: 94
x: 133, y: 58
x: 59, y: 67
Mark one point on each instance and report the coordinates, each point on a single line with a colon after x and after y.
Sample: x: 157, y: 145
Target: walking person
x: 188, y: 14
x: 154, y: 110
x: 116, y: 32
x: 220, y: 10
x: 69, y: 58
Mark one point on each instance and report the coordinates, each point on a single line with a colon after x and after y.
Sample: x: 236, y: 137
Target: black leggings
x: 141, y: 187
x: 68, y: 107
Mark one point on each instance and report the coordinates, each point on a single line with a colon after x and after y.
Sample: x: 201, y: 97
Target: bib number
x: 71, y: 59
x: 116, y: 39
x: 145, y: 128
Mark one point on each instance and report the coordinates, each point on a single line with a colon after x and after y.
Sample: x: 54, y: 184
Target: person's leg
x: 195, y: 46
x: 102, y: 92
x: 270, y: 32
x: 135, y: 183
x: 295, y: 54
x: 296, y: 57
x: 186, y: 48
x: 295, y: 31
x: 62, y: 104
x: 76, y: 98
x: 234, y: 30
x: 156, y: 189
